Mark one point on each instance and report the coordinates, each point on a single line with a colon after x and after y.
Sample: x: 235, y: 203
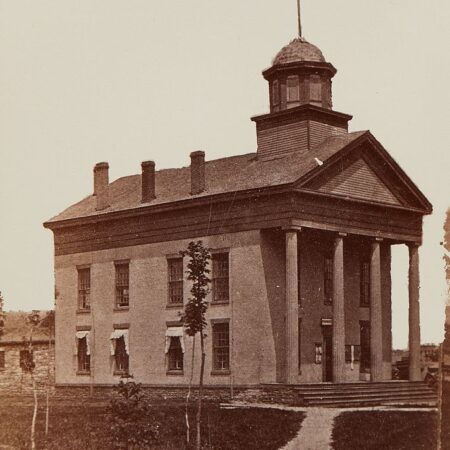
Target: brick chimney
x: 101, y: 185
x: 197, y: 172
x: 148, y: 181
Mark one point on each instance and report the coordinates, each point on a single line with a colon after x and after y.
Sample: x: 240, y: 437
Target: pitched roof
x: 235, y: 173
x: 17, y: 330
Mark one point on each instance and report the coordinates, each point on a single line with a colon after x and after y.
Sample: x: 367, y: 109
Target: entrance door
x: 327, y: 354
x: 364, y: 327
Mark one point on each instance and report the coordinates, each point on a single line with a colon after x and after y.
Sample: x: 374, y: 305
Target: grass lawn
x: 387, y: 430
x: 84, y: 424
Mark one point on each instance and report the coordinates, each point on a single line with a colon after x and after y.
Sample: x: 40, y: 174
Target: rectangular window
x: 26, y: 360
x: 220, y: 280
x: 356, y: 353
x: 318, y: 353
x: 84, y: 358
x: 328, y: 281
x: 221, y: 346
x: 175, y: 354
x: 175, y: 272
x: 84, y: 289
x: 293, y: 92
x: 2, y: 359
x: 121, y: 358
x: 365, y: 284
x: 315, y: 89
x: 122, y: 285
x: 275, y: 93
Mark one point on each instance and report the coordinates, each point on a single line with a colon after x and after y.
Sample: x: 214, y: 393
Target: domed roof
x: 298, y: 50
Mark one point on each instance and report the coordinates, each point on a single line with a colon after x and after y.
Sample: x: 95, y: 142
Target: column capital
x: 292, y: 228
x: 414, y: 244
x: 342, y: 234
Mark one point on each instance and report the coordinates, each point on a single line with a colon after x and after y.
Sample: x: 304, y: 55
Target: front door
x: 364, y: 366
x: 327, y: 354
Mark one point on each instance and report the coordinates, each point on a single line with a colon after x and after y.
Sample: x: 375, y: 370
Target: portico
x: 376, y: 312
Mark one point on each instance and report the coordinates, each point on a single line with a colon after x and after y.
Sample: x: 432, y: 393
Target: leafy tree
x: 195, y: 309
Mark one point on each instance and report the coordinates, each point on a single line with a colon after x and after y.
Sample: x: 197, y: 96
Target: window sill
x: 121, y: 308
x: 222, y: 302
x: 220, y: 372
x: 83, y: 373
x: 175, y: 372
x: 174, y: 305
x: 83, y: 311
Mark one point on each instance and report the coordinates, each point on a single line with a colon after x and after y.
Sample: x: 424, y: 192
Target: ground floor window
x: 318, y: 353
x: 352, y: 353
x: 175, y: 349
x: 175, y: 355
x: 2, y: 359
x: 221, y: 346
x: 83, y: 351
x: 120, y: 351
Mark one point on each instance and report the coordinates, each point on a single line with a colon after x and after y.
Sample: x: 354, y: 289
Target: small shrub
x: 132, y: 423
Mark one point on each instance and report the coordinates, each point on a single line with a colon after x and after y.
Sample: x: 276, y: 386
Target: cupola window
x: 275, y: 95
x: 293, y: 92
x: 315, y: 90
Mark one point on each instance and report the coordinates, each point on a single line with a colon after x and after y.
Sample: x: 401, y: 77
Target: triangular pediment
x: 359, y: 181
x: 364, y: 171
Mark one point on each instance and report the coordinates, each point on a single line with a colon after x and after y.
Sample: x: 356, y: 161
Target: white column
x: 291, y: 307
x: 414, y: 314
x: 338, y: 336
x: 376, y: 332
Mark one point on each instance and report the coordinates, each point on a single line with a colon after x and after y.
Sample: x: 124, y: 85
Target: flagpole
x: 299, y: 19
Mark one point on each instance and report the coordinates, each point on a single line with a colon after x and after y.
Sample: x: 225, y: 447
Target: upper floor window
x: 122, y: 285
x: 84, y: 288
x: 293, y: 91
x: 120, y: 350
x: 315, y: 90
x: 83, y: 351
x: 221, y: 346
x: 365, y: 284
x: 2, y: 359
x: 175, y: 269
x: 328, y: 281
x: 220, y: 277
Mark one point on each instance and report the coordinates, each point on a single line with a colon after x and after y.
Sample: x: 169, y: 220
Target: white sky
x: 84, y: 81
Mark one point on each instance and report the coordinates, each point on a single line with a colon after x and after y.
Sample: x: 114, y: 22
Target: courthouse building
x: 300, y: 233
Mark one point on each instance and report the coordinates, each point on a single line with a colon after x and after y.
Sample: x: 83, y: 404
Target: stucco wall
x: 256, y: 310
x: 251, y: 339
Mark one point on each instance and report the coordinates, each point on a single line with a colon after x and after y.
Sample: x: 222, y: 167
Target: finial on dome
x: 299, y: 17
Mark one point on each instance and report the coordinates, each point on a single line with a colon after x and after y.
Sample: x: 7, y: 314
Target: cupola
x: 299, y: 75
x: 301, y: 115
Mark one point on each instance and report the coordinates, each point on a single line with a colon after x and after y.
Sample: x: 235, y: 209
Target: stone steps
x: 366, y: 394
